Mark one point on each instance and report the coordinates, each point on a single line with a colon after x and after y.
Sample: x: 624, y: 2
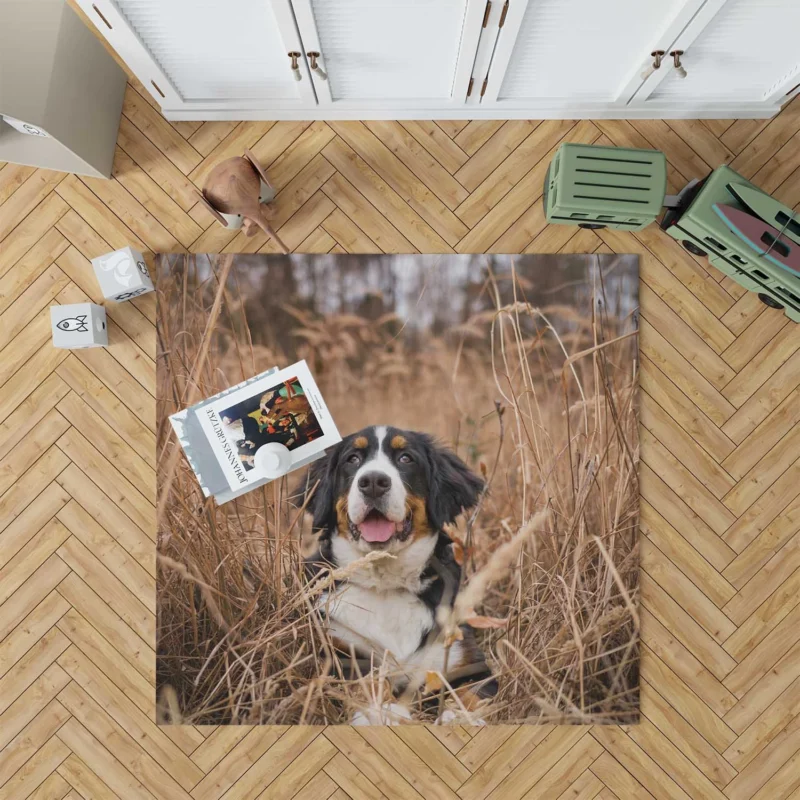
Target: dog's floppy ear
x: 322, y: 475
x: 454, y: 486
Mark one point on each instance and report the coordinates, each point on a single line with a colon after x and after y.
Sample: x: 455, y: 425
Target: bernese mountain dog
x: 391, y: 490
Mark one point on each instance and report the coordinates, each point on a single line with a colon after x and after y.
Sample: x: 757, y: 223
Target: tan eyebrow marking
x: 398, y: 442
x: 360, y: 443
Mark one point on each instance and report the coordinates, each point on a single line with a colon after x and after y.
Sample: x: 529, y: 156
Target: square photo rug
x: 453, y: 537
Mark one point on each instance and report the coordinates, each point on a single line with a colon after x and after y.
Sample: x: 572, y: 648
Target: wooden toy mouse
x: 233, y: 194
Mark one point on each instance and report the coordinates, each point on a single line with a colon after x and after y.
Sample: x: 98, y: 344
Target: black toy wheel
x: 769, y: 301
x: 592, y: 226
x: 694, y: 249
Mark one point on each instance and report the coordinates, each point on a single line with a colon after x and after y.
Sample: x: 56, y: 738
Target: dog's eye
x: 405, y: 458
x: 354, y: 458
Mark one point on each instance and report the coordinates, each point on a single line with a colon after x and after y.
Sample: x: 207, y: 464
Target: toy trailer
x: 605, y: 187
x: 702, y: 231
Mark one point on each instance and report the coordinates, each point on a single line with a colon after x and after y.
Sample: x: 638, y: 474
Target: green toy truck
x: 599, y: 187
x: 702, y: 232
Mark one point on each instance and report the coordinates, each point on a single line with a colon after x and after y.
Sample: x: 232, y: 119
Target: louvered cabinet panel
x: 582, y: 51
x: 450, y: 59
x: 213, y: 50
x: 747, y: 52
x: 388, y: 52
x: 226, y: 54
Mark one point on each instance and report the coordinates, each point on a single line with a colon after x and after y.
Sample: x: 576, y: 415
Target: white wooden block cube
x: 122, y: 274
x: 79, y: 325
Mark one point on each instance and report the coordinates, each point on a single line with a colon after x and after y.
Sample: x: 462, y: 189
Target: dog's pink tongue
x: 376, y: 530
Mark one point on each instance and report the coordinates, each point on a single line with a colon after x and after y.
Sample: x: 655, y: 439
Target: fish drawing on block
x: 762, y: 238
x: 77, y: 324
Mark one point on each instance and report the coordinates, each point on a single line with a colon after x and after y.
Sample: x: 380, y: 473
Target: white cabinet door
x: 210, y: 54
x: 578, y: 54
x: 735, y: 51
x: 385, y: 54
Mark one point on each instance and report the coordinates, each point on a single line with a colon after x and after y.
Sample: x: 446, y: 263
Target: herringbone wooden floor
x: 720, y: 471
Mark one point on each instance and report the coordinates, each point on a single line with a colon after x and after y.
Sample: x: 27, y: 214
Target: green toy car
x: 702, y: 231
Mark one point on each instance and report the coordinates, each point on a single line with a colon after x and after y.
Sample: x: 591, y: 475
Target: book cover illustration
x: 222, y: 435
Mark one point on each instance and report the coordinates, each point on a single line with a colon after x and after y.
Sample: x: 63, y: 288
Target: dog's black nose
x: 374, y: 484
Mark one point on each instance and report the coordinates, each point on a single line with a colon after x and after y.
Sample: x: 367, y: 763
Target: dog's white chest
x: 378, y: 621
x: 378, y: 609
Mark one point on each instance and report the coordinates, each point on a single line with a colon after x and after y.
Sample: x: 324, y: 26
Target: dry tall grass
x: 541, y: 400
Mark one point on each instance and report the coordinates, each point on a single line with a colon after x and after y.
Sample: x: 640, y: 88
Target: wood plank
x: 784, y: 345
x: 537, y: 147
x: 153, y: 161
x: 677, y: 585
x: 32, y: 774
x: 35, y: 661
x: 117, y: 199
x: 37, y: 296
x: 33, y: 227
x: 132, y: 608
x: 12, y: 176
x: 159, y: 131
x: 25, y: 199
x: 503, y: 762
x: 378, y: 771
x: 764, y: 400
x: 35, y: 735
x: 26, y: 634
x: 767, y: 508
x: 105, y: 404
x: 96, y: 215
x: 475, y: 133
x: 154, y: 199
x: 106, y: 770
x: 677, y: 441
x: 237, y: 762
x: 695, y: 679
x: 685, y: 736
x: 377, y: 228
x: 533, y: 770
x: 453, y: 127
x: 419, y: 161
x: 700, y: 353
x: 684, y: 556
x: 684, y: 412
x: 437, y: 143
x: 638, y: 763
x: 399, y: 196
x: 494, y: 151
x: 106, y: 476
x: 28, y: 269
x: 135, y: 754
x: 209, y: 135
x: 126, y: 714
x: 683, y: 374
x: 354, y: 783
x: 27, y: 524
x: 133, y: 648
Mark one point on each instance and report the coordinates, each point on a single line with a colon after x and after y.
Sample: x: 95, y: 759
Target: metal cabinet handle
x: 315, y: 68
x: 294, y: 55
x: 676, y: 59
x: 657, y: 55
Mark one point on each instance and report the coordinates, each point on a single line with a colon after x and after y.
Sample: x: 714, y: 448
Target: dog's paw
x: 386, y: 714
x: 451, y: 717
